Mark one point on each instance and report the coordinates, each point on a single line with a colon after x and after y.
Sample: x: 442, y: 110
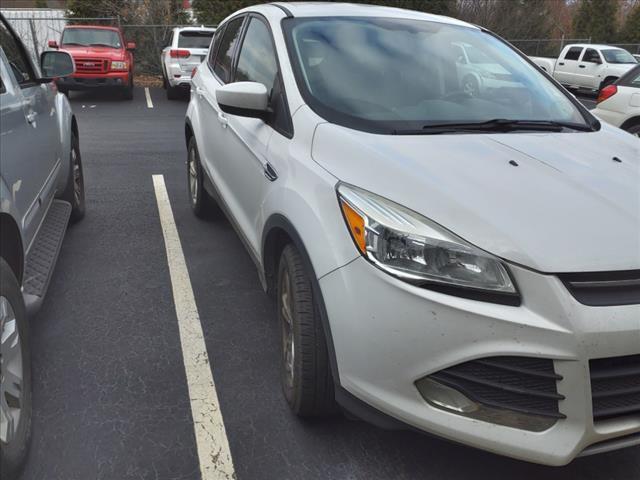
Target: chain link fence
x: 37, y: 27
x: 539, y: 47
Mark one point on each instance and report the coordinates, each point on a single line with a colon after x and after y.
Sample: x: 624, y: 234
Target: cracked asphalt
x: 110, y: 395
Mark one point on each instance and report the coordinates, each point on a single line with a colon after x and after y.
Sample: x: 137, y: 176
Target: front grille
x: 91, y: 65
x: 521, y: 384
x: 600, y: 289
x: 615, y: 386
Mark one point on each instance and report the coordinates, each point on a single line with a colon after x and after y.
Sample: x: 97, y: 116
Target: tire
x: 74, y: 193
x: 14, y: 447
x: 470, y: 86
x: 202, y: 205
x: 173, y: 93
x: 305, y: 371
x: 634, y: 130
x: 127, y: 92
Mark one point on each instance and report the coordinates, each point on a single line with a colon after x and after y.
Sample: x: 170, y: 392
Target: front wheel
x: 201, y: 202
x: 15, y: 376
x: 74, y: 193
x: 305, y: 372
x: 127, y: 92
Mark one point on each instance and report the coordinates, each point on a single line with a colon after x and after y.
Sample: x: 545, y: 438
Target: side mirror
x: 56, y: 64
x: 53, y: 44
x: 131, y: 46
x: 245, y: 99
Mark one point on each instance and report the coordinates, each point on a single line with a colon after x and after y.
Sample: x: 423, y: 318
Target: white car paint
x: 545, y: 203
x: 581, y: 72
x: 622, y: 109
x: 177, y: 71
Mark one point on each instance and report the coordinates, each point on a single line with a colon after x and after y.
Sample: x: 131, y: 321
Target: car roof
x: 330, y: 9
x: 594, y: 45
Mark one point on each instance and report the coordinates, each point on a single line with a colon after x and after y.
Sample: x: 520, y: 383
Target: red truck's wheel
x: 127, y: 92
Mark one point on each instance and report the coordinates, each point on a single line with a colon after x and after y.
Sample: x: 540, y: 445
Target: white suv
x: 467, y: 265
x: 186, y: 50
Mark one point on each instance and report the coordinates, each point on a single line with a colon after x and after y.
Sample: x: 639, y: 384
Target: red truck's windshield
x: 89, y: 37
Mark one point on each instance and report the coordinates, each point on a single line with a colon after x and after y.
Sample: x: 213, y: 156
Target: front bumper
x: 388, y: 334
x: 87, y: 82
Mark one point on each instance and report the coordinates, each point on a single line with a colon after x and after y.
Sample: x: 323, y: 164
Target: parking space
x: 111, y: 399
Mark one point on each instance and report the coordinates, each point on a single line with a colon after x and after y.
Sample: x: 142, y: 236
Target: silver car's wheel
x: 11, y: 372
x: 15, y: 376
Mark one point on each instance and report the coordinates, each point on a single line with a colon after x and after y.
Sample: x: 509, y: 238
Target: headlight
x: 419, y: 251
x: 119, y: 66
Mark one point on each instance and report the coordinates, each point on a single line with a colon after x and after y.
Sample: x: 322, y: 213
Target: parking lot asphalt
x: 110, y: 396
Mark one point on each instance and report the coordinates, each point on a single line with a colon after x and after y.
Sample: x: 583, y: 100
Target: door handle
x: 581, y: 66
x: 269, y: 172
x: 561, y: 63
x: 31, y: 117
x: 222, y: 118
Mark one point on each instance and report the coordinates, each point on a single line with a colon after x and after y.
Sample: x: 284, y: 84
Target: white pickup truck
x: 587, y: 66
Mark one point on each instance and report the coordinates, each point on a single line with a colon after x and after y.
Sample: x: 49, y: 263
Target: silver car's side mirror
x: 245, y: 99
x: 56, y: 64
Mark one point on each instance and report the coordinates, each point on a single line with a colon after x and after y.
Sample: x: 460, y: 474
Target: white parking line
x: 211, y: 438
x: 148, y: 95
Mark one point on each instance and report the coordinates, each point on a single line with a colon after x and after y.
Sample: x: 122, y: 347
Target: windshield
x: 384, y: 75
x: 194, y: 39
x: 617, y: 55
x: 87, y: 37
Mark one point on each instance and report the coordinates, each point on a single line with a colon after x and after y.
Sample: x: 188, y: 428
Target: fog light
x: 445, y: 397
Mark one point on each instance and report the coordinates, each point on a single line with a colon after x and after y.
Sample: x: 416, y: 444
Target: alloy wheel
x: 11, y: 373
x: 288, y: 341
x: 193, y: 176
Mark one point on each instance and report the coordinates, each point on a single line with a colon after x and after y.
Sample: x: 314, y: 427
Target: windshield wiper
x: 101, y: 45
x: 76, y: 43
x: 496, y: 125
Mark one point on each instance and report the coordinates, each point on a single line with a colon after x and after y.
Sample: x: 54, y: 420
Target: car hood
x: 555, y: 202
x: 104, y: 53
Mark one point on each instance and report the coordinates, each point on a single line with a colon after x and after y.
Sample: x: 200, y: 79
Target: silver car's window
x: 257, y: 60
x: 378, y: 74
x: 18, y: 61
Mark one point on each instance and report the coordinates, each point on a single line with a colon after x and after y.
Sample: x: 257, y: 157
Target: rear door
x: 588, y: 69
x: 29, y: 141
x: 566, y: 67
x: 197, y: 43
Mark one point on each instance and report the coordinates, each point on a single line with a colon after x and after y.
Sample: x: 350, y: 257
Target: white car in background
x: 186, y: 50
x: 619, y: 104
x: 465, y: 265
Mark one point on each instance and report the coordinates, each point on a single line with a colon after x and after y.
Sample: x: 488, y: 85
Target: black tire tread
x: 313, y: 394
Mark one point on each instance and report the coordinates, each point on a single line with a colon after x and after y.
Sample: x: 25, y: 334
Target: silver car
x: 41, y: 188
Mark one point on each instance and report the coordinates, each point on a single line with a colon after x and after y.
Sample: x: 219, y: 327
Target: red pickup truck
x: 102, y: 59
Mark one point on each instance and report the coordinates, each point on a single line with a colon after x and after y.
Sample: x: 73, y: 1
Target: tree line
x: 601, y: 20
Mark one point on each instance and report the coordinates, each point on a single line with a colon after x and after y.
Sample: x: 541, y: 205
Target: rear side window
x: 215, y: 44
x: 631, y: 79
x: 18, y: 61
x: 224, y: 55
x: 591, y: 55
x: 194, y: 39
x: 257, y: 61
x: 573, y: 53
